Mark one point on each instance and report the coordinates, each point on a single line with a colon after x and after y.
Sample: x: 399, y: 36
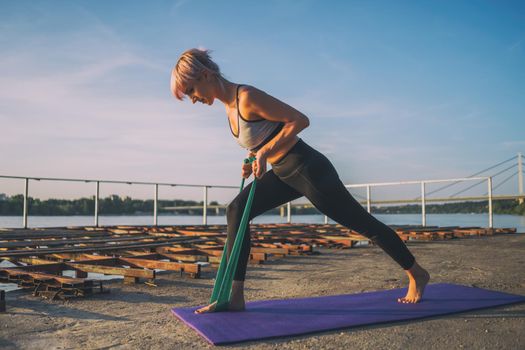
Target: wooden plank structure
x: 43, y: 257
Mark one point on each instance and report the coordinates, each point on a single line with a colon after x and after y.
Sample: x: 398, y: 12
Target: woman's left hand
x: 259, y: 165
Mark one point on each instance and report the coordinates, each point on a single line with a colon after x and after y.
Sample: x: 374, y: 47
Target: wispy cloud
x: 78, y: 114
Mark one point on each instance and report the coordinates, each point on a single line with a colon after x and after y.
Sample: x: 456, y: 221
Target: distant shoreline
x: 212, y: 214
x: 116, y: 205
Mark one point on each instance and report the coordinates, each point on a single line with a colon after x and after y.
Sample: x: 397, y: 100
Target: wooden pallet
x: 137, y: 252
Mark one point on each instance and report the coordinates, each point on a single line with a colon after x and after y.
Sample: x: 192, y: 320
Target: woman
x: 268, y: 128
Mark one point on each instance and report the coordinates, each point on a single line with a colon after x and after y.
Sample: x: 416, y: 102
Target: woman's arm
x: 255, y: 103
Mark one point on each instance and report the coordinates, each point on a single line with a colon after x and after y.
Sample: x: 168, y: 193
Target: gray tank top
x: 253, y: 134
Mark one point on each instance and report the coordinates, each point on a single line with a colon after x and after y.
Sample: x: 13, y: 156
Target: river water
x: 481, y: 220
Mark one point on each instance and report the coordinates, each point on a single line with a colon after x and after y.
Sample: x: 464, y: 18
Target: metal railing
x: 205, y: 206
x: 422, y: 184
x: 97, y: 193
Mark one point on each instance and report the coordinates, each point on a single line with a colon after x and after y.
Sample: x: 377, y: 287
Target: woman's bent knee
x: 233, y: 211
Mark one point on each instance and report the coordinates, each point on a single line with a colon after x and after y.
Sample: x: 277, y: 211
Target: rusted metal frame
x: 509, y: 230
x: 187, y: 257
x: 285, y: 238
x: 51, y: 258
x: 178, y: 250
x: 11, y: 274
x: 165, y: 234
x: 214, y: 260
x: 119, y: 231
x: 472, y: 231
x: 347, y: 241
x: 307, y: 241
x: 35, y: 261
x: 261, y: 244
x: 206, y: 233
x: 105, y: 261
x: 281, y: 243
x: 404, y: 237
x: 212, y: 251
x: 135, y: 262
x: 112, y: 270
x: 31, y: 234
x: 256, y: 248
x: 52, y: 268
x: 207, y: 251
x: 153, y: 257
x: 77, y: 256
x: 194, y: 270
x: 433, y: 229
x: 104, y: 266
x: 285, y: 226
x: 297, y: 249
x: 212, y: 245
x: 45, y: 284
x: 115, y: 247
x: 135, y: 253
x: 65, y: 242
x: 257, y: 258
x: 279, y: 234
x: 326, y: 242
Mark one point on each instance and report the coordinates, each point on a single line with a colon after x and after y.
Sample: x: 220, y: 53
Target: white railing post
x: 520, y: 177
x: 489, y: 183
x: 289, y: 212
x: 155, y: 204
x: 205, y: 206
x: 97, y: 194
x: 326, y: 219
x: 368, y: 199
x: 26, y: 196
x: 423, y: 205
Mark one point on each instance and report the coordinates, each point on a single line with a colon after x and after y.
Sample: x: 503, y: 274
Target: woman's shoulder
x: 245, y: 90
x: 247, y: 95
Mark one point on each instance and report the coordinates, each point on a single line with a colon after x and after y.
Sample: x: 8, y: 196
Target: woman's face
x: 200, y: 90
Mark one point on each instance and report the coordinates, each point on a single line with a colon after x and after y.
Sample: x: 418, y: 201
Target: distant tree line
x: 115, y: 205
x: 507, y: 206
x: 112, y: 205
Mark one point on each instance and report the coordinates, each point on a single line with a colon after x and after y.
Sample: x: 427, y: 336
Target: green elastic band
x: 224, y: 279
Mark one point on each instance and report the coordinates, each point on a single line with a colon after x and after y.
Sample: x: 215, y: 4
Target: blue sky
x: 395, y: 90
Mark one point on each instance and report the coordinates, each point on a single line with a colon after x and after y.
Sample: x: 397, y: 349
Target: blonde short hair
x: 190, y: 66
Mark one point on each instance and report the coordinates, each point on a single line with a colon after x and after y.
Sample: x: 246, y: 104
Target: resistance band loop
x: 224, y: 280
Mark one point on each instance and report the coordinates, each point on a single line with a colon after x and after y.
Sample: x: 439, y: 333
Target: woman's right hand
x: 247, y: 167
x: 246, y: 170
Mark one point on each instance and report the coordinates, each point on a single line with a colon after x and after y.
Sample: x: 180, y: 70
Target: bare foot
x: 237, y: 305
x: 419, y: 278
x: 205, y: 309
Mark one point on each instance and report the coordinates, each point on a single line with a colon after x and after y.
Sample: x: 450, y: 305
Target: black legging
x: 304, y: 171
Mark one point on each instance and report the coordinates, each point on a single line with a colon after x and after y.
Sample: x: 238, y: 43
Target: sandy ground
x: 138, y: 316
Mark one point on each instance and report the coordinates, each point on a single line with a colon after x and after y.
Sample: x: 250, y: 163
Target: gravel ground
x: 139, y: 317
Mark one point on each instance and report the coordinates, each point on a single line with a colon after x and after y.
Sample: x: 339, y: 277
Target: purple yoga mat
x: 273, y: 318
